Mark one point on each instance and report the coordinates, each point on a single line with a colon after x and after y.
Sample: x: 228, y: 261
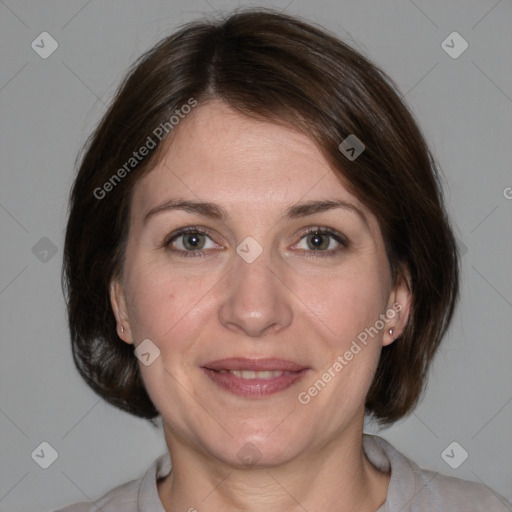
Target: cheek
x: 346, y: 302
x: 164, y: 303
x: 350, y: 345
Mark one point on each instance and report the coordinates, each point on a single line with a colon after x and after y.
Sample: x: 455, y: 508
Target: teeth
x: 247, y: 374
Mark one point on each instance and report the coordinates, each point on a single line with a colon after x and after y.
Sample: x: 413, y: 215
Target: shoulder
x: 123, y: 497
x: 413, y: 489
x: 455, y: 494
x: 133, y: 496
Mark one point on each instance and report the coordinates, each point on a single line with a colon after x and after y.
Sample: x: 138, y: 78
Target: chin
x: 262, y: 447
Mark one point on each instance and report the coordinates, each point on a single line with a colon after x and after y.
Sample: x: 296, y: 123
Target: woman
x: 257, y: 251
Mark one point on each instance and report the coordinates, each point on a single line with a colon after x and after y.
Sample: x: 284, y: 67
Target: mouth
x: 254, y: 377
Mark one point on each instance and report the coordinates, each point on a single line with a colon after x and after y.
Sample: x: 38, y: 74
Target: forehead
x: 219, y: 154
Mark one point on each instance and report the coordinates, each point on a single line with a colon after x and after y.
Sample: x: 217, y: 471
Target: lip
x: 257, y: 387
x: 254, y: 364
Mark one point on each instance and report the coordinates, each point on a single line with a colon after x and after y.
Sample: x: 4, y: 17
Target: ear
x: 400, y: 301
x: 118, y: 302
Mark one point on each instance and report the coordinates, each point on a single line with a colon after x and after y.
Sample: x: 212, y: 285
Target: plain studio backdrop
x: 61, y: 63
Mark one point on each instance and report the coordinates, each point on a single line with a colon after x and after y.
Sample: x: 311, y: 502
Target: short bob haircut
x: 281, y: 69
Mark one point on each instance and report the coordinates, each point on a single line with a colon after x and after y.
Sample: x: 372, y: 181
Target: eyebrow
x: 215, y: 211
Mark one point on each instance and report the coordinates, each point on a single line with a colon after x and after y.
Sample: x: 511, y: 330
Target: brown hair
x: 275, y: 67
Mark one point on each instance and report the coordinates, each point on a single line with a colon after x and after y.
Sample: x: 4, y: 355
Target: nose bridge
x: 255, y: 300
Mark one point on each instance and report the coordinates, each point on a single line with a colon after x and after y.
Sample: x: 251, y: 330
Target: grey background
x: 49, y: 106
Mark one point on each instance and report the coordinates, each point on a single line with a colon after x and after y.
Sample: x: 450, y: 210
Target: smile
x: 254, y: 377
x: 248, y: 375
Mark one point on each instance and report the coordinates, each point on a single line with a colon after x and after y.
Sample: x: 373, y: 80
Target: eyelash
x: 338, y: 237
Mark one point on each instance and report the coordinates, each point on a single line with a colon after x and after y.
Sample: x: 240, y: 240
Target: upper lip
x: 254, y: 364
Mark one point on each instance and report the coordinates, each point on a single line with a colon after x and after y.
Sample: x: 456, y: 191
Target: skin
x: 284, y: 304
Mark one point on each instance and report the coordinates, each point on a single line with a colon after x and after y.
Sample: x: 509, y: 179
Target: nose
x: 255, y: 301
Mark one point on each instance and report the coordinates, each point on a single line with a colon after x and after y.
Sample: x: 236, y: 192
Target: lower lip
x: 253, y: 387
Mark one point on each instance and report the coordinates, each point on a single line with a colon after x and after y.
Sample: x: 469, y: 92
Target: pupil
x: 193, y: 240
x: 316, y: 240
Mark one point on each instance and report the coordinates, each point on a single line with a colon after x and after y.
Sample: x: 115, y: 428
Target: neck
x: 337, y: 476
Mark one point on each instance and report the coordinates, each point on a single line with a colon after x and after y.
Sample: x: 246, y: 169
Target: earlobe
x: 399, y: 306
x: 118, y: 302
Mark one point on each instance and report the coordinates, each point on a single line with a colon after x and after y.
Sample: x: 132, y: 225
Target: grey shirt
x: 411, y: 489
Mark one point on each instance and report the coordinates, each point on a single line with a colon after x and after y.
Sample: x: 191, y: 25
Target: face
x: 284, y: 264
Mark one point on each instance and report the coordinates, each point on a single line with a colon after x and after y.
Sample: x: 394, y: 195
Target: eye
x: 322, y: 242
x: 195, y: 242
x: 190, y: 242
